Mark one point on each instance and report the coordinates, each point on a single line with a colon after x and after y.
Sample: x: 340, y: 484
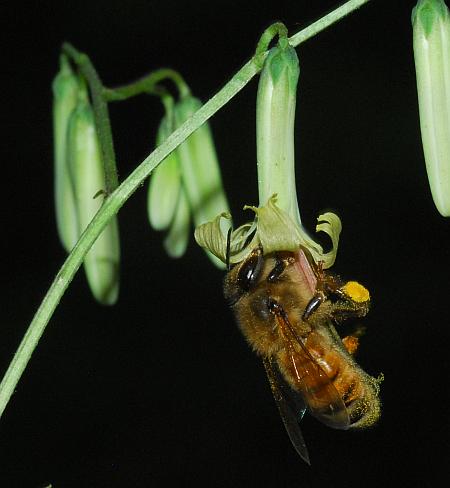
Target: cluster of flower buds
x: 431, y: 41
x: 80, y: 183
x: 188, y: 183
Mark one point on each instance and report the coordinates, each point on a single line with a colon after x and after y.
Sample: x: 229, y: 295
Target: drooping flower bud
x: 177, y: 238
x: 87, y: 175
x: 188, y: 182
x: 200, y: 171
x: 200, y: 167
x: 65, y: 95
x: 165, y: 182
x: 167, y: 205
x: 431, y: 40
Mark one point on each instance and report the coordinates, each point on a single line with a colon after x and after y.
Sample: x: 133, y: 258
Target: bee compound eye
x: 259, y: 308
x: 250, y: 271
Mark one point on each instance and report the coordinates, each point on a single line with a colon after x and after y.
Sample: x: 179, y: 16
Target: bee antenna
x: 228, y: 252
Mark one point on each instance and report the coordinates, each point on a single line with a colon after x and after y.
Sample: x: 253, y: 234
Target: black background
x: 162, y: 389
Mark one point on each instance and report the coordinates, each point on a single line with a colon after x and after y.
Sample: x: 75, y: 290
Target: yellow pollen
x: 356, y: 291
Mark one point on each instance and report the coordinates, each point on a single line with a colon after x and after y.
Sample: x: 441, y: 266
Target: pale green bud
x: 177, y: 239
x: 200, y: 167
x: 200, y: 171
x: 65, y: 94
x: 431, y: 39
x: 164, y: 184
x: 87, y: 174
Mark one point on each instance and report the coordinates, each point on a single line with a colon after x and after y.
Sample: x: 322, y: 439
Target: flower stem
x: 101, y: 115
x: 147, y: 84
x: 267, y: 36
x: 120, y: 195
x: 326, y: 21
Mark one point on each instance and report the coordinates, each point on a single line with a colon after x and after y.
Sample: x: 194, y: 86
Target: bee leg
x: 351, y: 343
x: 313, y: 305
x: 353, y: 300
x: 280, y: 265
x: 346, y: 308
x: 325, y: 284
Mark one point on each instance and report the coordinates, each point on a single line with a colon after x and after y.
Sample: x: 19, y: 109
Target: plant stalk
x: 120, y: 195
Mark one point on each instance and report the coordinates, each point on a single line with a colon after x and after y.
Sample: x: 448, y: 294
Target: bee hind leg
x: 346, y: 308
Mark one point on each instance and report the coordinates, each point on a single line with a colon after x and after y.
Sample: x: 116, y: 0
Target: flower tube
x: 277, y: 226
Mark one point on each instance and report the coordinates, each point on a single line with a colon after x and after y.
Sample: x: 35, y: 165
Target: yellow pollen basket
x: 356, y: 292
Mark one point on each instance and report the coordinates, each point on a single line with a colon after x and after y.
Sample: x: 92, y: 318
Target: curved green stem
x: 275, y: 29
x: 119, y: 196
x: 147, y: 84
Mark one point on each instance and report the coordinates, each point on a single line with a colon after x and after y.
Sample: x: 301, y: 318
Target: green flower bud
x: 65, y: 93
x: 178, y: 237
x: 165, y: 183
x: 87, y: 175
x: 431, y: 40
x: 200, y: 172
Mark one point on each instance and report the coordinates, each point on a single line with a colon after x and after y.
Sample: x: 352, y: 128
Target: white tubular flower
x: 277, y: 226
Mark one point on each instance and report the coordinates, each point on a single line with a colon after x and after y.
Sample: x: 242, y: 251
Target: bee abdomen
x: 359, y: 394
x: 358, y: 390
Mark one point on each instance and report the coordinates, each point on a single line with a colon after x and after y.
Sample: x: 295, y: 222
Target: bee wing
x: 319, y: 394
x: 323, y: 400
x: 291, y: 415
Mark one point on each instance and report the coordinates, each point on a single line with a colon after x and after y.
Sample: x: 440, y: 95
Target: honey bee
x: 285, y: 305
